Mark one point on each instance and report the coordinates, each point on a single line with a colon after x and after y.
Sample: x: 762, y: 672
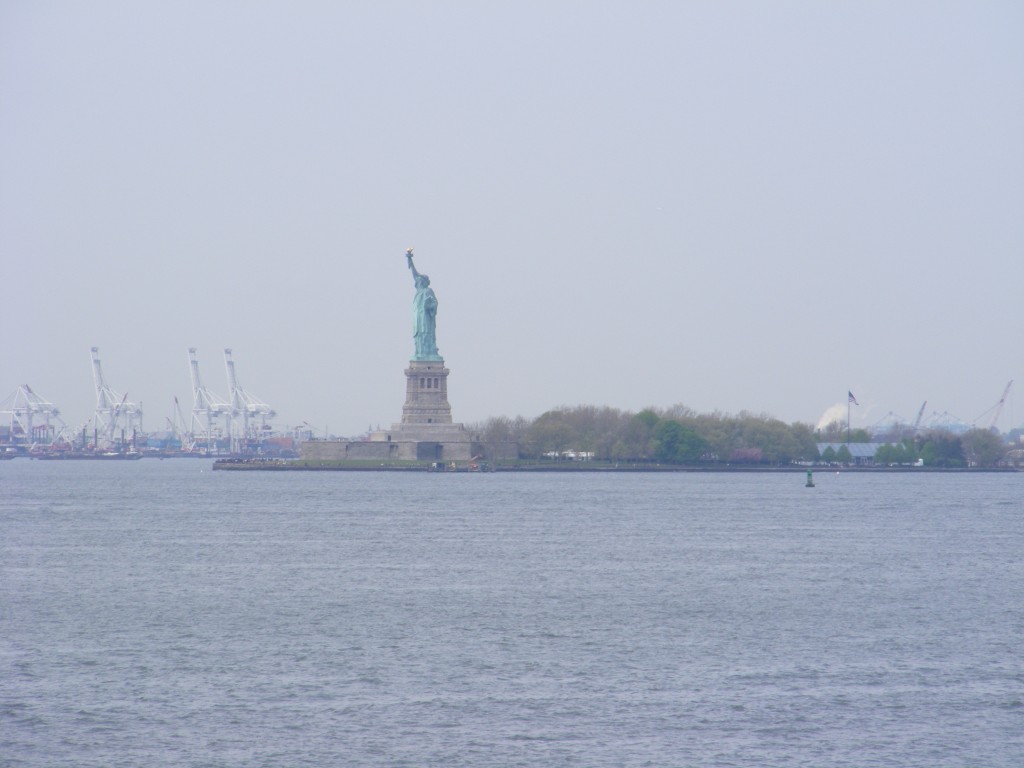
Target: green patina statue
x: 424, y: 315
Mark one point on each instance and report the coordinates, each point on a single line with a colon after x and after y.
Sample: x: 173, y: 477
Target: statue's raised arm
x: 408, y: 258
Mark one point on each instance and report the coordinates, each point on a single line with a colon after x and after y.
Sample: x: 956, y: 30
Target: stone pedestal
x: 426, y: 430
x: 426, y: 393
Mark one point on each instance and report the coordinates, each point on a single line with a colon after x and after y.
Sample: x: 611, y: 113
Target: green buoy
x: 810, y: 479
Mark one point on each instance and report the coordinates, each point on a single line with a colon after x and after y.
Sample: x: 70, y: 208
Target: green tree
x: 806, y: 445
x: 748, y: 435
x: 859, y: 436
x: 833, y: 432
x: 982, y: 448
x: 676, y: 444
x: 501, y: 429
x: 550, y: 433
x: 615, y: 435
x: 942, y: 449
x: 634, y: 440
x: 582, y: 428
x: 886, y: 454
x: 719, y: 432
x: 843, y: 455
x: 896, y: 453
x: 907, y: 452
x: 648, y: 418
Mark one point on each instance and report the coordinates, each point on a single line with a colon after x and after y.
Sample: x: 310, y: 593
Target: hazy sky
x: 729, y: 205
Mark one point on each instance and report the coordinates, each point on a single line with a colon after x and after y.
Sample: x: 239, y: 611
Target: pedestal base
x: 426, y: 431
x: 426, y: 393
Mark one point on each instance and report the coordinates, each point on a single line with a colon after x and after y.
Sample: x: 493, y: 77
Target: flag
x: 852, y: 398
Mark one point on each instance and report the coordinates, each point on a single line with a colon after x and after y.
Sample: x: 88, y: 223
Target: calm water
x: 158, y: 613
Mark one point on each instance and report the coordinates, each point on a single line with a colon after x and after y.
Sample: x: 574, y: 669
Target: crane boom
x: 999, y: 405
x: 920, y: 413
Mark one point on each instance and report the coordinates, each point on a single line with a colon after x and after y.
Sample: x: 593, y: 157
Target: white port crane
x: 116, y: 417
x: 244, y: 405
x: 206, y: 407
x: 30, y: 417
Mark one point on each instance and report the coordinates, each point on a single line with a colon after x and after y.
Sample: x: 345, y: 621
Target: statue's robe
x: 424, y: 322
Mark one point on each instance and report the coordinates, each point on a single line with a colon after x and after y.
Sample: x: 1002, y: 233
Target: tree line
x: 679, y: 435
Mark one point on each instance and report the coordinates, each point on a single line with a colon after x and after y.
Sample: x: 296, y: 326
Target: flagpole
x: 850, y: 399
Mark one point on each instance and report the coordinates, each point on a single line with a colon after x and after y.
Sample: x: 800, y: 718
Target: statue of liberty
x: 424, y: 315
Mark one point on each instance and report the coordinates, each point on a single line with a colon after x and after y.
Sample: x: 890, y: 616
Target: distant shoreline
x: 277, y: 465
